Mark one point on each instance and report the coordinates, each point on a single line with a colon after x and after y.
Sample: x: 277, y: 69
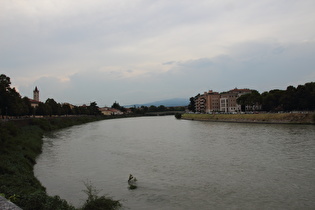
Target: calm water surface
x: 183, y: 164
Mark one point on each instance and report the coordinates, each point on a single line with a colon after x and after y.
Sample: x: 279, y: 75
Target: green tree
x: 271, y: 101
x: 53, y: 108
x: 161, y: 108
x: 27, y: 108
x: 191, y: 105
x: 153, y: 108
x: 93, y: 109
x: 310, y: 88
x: 10, y: 100
x: 117, y: 106
x: 5, y: 83
x: 288, y: 99
x: 144, y: 109
x: 250, y: 99
x: 42, y: 109
x: 66, y: 109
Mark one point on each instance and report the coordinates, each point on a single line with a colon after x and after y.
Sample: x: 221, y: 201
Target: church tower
x: 36, y: 94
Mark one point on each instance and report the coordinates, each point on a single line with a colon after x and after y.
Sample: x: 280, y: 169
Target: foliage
x: 250, y: 99
x: 117, y: 106
x: 53, y: 108
x: 93, y: 109
x: 152, y: 108
x: 39, y: 200
x: 95, y: 202
x: 144, y: 110
x: 11, y: 102
x: 301, y: 98
x: 178, y: 116
x: 191, y: 105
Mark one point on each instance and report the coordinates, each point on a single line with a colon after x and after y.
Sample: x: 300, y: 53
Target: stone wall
x: 7, y: 205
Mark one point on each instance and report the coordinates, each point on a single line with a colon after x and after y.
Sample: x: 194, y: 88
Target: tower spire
x: 36, y: 94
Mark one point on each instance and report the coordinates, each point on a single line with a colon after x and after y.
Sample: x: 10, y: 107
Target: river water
x: 183, y: 164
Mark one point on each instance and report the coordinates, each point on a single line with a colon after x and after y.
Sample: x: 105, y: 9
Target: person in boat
x: 132, y: 178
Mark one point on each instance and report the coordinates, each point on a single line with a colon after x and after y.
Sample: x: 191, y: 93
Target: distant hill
x: 167, y: 103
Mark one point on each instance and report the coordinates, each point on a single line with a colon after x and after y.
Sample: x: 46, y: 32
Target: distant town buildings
x: 219, y: 102
x: 110, y: 111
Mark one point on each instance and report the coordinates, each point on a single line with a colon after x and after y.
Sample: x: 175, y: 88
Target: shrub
x: 178, y: 116
x: 40, y: 200
x: 94, y: 202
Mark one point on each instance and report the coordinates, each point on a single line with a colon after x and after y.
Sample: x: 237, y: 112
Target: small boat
x: 132, y: 182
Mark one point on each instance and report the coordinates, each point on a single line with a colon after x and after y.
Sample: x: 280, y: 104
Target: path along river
x: 183, y: 164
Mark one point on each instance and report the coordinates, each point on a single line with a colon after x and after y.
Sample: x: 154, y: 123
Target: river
x: 182, y: 164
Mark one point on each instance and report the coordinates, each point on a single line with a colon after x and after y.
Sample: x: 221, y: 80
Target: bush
x: 42, y: 123
x: 40, y: 200
x: 94, y: 202
x: 7, y: 131
x: 178, y: 116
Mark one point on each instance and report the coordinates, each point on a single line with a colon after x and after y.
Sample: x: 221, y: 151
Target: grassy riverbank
x: 290, y: 118
x: 20, y: 144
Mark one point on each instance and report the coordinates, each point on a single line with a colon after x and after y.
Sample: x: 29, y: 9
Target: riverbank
x: 20, y: 144
x: 283, y: 118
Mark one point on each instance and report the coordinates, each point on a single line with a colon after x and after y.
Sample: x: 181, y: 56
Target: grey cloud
x: 169, y: 63
x: 259, y: 69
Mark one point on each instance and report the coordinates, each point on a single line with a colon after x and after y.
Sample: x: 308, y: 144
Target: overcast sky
x: 137, y: 51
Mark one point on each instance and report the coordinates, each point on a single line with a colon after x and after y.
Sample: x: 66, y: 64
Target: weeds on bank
x: 95, y: 202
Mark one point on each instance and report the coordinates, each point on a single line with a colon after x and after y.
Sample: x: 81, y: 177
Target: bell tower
x: 36, y: 94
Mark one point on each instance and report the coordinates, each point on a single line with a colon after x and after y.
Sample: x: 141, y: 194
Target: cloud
x: 255, y: 65
x: 169, y: 62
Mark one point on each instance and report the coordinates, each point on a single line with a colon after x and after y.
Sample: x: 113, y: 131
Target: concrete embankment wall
x: 283, y: 118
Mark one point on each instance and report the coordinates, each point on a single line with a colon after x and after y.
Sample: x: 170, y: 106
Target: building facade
x: 200, y: 103
x: 210, y: 101
x: 110, y: 111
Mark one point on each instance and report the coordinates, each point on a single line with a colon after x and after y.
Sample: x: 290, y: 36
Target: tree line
x: 147, y: 109
x: 300, y: 98
x: 12, y: 104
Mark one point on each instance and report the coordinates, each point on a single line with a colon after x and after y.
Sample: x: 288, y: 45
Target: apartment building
x: 200, y: 103
x: 225, y: 102
x: 212, y: 101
